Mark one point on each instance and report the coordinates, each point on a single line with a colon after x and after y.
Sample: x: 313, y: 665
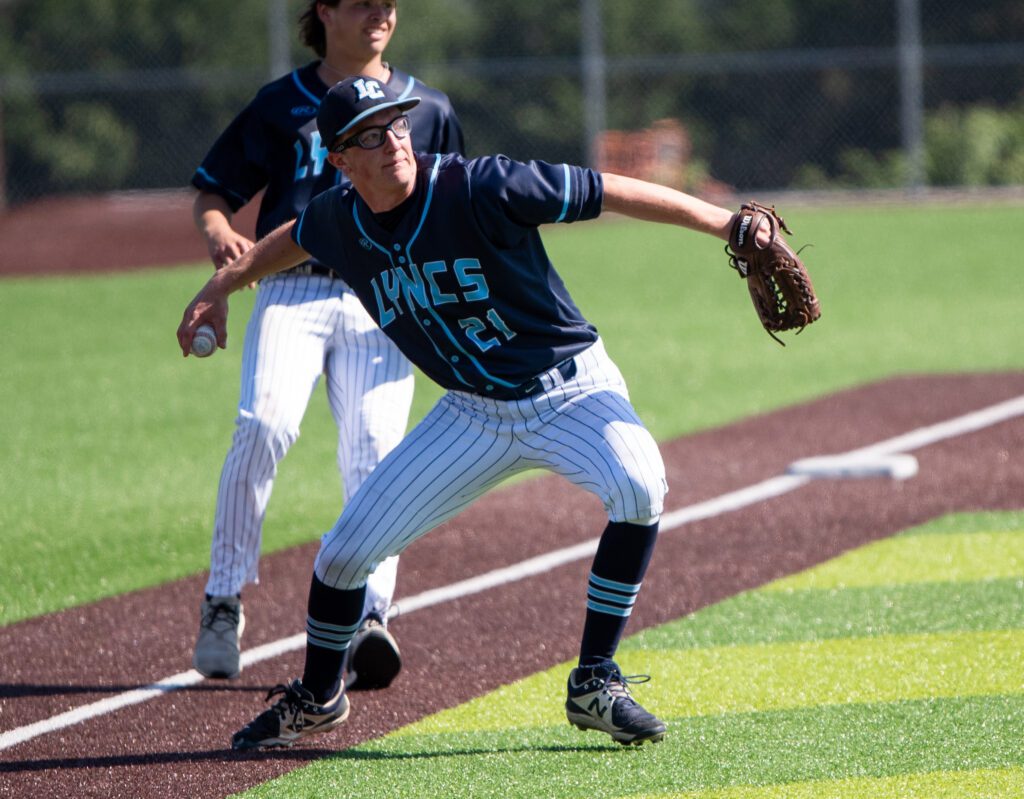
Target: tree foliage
x: 129, y: 93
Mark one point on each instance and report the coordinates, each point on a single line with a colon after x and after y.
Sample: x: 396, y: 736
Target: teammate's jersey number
x: 317, y: 158
x: 476, y: 327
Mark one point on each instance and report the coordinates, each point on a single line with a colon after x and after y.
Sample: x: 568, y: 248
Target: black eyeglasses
x: 372, y: 138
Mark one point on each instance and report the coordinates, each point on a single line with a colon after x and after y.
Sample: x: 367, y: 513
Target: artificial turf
x: 847, y: 680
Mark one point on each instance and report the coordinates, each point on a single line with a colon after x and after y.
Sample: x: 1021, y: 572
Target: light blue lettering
x: 499, y: 323
x: 318, y: 153
x: 413, y: 287
x: 438, y: 297
x: 385, y: 316
x: 474, y: 281
x: 317, y: 157
x: 473, y: 328
x: 300, y: 168
x: 392, y: 288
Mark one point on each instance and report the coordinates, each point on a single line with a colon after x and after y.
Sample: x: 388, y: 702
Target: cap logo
x: 367, y: 89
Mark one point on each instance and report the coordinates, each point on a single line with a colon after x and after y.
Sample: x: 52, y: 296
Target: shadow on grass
x: 297, y: 755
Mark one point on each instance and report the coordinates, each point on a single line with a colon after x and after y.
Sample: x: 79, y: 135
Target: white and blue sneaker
x: 599, y: 699
x: 294, y: 716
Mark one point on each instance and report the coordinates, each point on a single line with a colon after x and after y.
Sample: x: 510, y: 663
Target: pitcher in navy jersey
x: 306, y: 322
x: 445, y: 254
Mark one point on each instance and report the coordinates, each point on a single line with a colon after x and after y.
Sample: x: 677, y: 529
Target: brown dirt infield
x: 177, y: 745
x: 106, y: 232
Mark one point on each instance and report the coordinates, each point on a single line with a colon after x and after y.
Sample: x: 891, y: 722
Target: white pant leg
x: 446, y: 462
x: 584, y: 428
x: 588, y: 431
x: 369, y: 389
x: 282, y: 360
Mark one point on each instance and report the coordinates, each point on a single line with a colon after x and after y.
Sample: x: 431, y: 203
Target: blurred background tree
x: 129, y: 94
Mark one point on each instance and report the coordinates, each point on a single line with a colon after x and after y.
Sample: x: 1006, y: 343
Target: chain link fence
x: 738, y: 96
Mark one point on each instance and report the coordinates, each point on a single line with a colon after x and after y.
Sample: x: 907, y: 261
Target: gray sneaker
x: 218, y: 647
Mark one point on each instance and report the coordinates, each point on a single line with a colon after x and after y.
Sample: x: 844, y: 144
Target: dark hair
x: 311, y: 29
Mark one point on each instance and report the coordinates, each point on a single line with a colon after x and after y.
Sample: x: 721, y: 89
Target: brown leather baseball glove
x: 776, y: 278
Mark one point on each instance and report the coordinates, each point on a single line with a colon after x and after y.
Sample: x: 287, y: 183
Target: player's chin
x: 398, y: 168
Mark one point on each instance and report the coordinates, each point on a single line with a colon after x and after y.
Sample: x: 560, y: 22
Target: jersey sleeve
x: 235, y: 167
x: 509, y: 196
x: 313, y: 230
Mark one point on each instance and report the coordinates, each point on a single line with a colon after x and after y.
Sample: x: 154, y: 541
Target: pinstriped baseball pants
x: 584, y: 429
x: 303, y: 327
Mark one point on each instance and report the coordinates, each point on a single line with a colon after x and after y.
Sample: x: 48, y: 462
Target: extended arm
x: 274, y: 253
x: 654, y: 203
x: 212, y: 216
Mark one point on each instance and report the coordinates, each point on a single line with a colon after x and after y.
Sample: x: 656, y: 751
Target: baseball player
x: 306, y: 321
x: 446, y: 256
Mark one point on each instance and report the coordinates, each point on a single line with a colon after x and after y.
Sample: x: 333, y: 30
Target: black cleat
x: 294, y: 716
x: 599, y: 699
x: 373, y: 659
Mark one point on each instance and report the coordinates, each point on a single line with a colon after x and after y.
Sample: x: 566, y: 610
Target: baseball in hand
x: 204, y: 341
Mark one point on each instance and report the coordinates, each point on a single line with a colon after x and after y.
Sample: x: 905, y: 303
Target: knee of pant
x: 341, y: 562
x: 257, y: 434
x: 339, y: 573
x: 640, y: 501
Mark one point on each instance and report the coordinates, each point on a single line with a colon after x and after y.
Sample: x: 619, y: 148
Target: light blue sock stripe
x: 329, y: 636
x: 324, y: 643
x: 338, y: 629
x: 625, y: 600
x: 611, y: 611
x: 626, y: 588
x: 336, y: 638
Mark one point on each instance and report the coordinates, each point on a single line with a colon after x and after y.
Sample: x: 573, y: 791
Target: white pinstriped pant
x: 584, y: 429
x: 302, y: 327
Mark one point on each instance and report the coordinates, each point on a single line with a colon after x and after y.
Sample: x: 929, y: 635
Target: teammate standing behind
x: 445, y: 253
x: 306, y: 321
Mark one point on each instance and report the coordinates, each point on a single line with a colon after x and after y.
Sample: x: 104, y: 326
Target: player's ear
x: 337, y: 160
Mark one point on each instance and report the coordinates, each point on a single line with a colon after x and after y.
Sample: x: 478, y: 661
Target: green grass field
x: 891, y: 672
x: 112, y: 443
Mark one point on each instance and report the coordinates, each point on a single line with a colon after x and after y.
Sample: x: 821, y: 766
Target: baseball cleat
x: 291, y: 718
x: 218, y: 647
x: 599, y: 699
x: 373, y: 659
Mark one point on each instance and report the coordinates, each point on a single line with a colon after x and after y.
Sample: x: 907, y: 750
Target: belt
x: 535, y: 385
x: 311, y: 268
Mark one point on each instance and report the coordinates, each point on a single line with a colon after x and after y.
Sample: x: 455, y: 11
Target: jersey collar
x: 405, y: 235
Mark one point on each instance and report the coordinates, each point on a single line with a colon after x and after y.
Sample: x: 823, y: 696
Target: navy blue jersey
x: 462, y: 283
x: 274, y: 144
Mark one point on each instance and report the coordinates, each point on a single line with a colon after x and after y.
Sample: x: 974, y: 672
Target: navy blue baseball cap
x: 351, y: 101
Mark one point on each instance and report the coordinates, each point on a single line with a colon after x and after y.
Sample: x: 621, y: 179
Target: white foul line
x: 733, y: 500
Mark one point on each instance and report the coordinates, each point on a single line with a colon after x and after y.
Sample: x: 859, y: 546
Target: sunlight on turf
x: 926, y: 714
x: 911, y: 559
x: 743, y: 679
x: 980, y: 784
